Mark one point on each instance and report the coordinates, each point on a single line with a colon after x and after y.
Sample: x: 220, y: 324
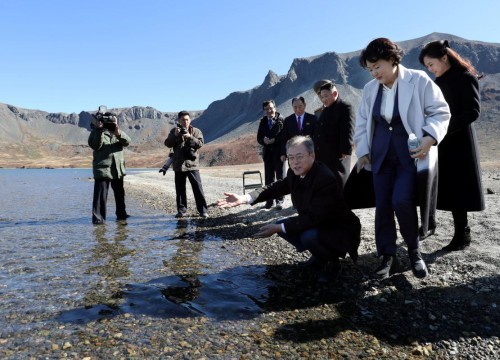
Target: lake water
x: 56, y: 266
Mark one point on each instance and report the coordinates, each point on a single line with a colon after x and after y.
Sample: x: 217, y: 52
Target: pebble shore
x: 452, y: 314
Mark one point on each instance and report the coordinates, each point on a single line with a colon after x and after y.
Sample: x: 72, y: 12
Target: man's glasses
x: 298, y: 157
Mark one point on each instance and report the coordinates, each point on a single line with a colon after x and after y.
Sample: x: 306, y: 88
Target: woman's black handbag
x: 358, y: 190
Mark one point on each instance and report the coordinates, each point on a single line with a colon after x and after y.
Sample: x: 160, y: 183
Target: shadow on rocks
x: 240, y: 292
x: 405, y: 315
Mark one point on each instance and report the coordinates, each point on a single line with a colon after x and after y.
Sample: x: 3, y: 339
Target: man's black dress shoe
x: 330, y: 272
x: 312, y: 262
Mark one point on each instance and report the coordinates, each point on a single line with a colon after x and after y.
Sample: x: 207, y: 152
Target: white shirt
x: 388, y: 98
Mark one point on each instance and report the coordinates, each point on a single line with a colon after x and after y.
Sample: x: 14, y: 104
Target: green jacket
x: 109, y: 161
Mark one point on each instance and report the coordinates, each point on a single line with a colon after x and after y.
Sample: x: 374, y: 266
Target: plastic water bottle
x: 413, y: 143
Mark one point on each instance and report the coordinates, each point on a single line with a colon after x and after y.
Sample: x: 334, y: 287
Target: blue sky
x: 73, y: 55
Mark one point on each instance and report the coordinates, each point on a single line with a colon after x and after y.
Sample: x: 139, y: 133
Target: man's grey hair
x: 299, y: 140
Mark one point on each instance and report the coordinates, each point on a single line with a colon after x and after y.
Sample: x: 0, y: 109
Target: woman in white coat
x: 398, y: 102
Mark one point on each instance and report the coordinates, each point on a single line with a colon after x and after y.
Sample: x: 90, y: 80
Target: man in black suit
x: 324, y: 225
x: 299, y: 123
x: 269, y: 136
x: 333, y: 133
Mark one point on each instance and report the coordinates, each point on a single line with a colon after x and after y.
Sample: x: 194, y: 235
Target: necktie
x: 299, y: 124
x: 270, y: 123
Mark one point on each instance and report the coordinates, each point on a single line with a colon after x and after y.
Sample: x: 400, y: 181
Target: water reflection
x: 186, y: 262
x: 240, y: 292
x: 109, y: 254
x: 234, y: 293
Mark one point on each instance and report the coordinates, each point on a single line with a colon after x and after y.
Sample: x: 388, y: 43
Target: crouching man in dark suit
x: 324, y: 225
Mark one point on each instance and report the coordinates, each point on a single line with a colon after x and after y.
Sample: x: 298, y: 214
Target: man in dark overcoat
x: 333, y: 132
x: 324, y: 224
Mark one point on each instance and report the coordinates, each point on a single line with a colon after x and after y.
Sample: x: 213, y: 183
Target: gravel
x: 452, y: 314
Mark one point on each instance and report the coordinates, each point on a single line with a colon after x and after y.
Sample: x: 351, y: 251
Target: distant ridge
x: 239, y: 111
x: 32, y: 136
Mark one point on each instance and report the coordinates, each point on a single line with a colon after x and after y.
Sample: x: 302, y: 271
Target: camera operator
x: 108, y: 164
x: 185, y: 141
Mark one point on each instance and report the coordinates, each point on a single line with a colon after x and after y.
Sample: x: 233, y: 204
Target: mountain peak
x: 271, y: 79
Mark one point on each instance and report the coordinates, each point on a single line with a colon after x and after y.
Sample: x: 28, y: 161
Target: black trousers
x: 180, y: 190
x: 273, y: 170
x: 101, y: 187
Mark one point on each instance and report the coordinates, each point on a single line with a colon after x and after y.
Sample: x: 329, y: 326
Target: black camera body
x: 107, y: 118
x: 188, y: 152
x: 110, y: 126
x: 182, y: 130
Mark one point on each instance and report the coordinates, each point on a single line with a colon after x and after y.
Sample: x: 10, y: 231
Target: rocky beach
x: 157, y: 287
x: 452, y: 314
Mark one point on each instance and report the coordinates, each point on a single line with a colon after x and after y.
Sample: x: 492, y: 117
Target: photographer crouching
x: 185, y: 141
x: 108, y: 164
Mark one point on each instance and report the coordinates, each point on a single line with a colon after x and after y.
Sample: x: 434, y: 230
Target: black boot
x: 330, y: 271
x: 460, y: 240
x: 312, y: 263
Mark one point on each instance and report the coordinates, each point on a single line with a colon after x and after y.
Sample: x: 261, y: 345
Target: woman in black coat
x: 460, y: 189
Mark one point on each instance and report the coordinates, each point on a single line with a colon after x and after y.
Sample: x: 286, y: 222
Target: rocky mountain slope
x: 238, y: 113
x: 38, y: 138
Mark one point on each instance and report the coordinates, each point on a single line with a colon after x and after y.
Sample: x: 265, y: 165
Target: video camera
x: 107, y: 118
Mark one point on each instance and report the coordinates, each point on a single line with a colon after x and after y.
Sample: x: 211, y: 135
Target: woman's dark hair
x: 381, y: 49
x: 439, y: 48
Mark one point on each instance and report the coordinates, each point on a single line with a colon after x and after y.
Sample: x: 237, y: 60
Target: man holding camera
x: 185, y: 141
x: 108, y: 164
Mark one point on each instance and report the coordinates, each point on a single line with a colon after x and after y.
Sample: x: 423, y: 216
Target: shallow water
x: 57, y: 266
